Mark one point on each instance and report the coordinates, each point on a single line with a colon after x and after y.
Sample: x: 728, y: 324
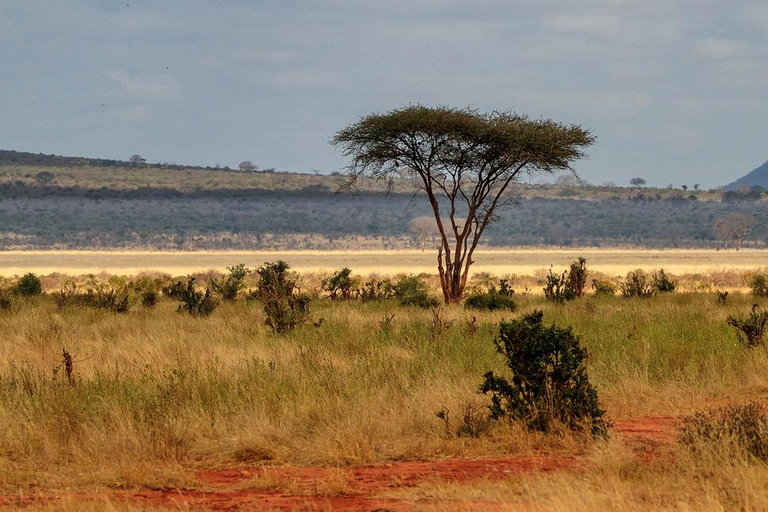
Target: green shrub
x: 6, y: 304
x: 554, y: 288
x: 490, y: 301
x: 549, y: 381
x: 285, y: 308
x: 636, y: 285
x: 118, y: 300
x: 230, y: 285
x: 374, y: 290
x: 175, y: 290
x: 29, y: 285
x: 603, y: 287
x: 758, y: 284
x: 577, y: 277
x: 340, y: 285
x: 412, y: 291
x: 197, y: 303
x: 569, y: 285
x: 662, y: 283
x: 750, y: 328
x: 149, y: 298
x: 728, y: 431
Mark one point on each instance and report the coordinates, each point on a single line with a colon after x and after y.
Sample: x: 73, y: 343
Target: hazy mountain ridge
x: 758, y: 177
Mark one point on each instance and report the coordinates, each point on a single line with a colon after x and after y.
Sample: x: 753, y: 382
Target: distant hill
x: 757, y: 177
x: 43, y: 160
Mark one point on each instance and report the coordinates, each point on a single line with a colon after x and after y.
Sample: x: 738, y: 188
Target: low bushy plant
x: 412, y: 291
x: 175, y: 289
x: 375, y: 290
x: 662, y: 283
x: 6, y: 304
x: 569, y: 285
x: 750, y: 329
x: 29, y: 285
x: 230, y: 285
x: 341, y: 285
x: 548, y: 382
x: 732, y: 431
x: 758, y: 285
x: 197, y: 303
x: 603, y: 287
x: 490, y: 301
x: 637, y: 284
x: 149, y: 298
x: 285, y: 308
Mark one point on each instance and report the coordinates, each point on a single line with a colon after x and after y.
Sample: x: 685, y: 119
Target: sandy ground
x: 498, y: 262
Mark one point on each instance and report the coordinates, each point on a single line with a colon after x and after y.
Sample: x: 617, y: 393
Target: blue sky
x: 674, y: 90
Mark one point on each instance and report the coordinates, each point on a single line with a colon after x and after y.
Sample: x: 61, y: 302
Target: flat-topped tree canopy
x: 464, y: 161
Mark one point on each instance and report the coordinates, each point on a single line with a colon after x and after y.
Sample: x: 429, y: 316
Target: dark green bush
x: 750, y: 329
x: 662, y: 283
x: 637, y: 285
x: 758, y: 284
x: 149, y: 298
x: 374, y: 290
x: 340, y: 285
x: 230, y: 285
x: 412, y: 291
x: 490, y: 301
x: 29, y: 285
x: 549, y: 381
x: 730, y: 431
x: 569, y: 285
x: 175, y: 290
x: 6, y: 304
x: 197, y: 303
x: 603, y: 287
x: 284, y: 307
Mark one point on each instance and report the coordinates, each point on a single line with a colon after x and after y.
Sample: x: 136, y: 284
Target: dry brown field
x: 523, y: 262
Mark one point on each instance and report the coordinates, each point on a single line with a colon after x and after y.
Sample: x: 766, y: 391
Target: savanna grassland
x: 162, y: 409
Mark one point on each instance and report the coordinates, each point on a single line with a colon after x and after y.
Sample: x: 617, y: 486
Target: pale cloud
x: 715, y: 48
x: 598, y: 24
x: 136, y: 113
x: 146, y: 86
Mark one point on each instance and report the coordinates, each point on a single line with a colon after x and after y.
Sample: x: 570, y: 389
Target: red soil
x: 356, y: 488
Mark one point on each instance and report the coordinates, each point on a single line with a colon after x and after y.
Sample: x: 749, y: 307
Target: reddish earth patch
x: 355, y: 488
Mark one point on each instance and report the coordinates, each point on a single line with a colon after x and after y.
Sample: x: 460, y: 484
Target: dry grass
x: 157, y: 393
x: 710, y: 266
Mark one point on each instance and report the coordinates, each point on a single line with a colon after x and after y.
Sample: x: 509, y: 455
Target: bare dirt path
x: 356, y: 488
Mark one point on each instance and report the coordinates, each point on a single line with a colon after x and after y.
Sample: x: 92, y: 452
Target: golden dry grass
x: 157, y: 393
x: 525, y: 262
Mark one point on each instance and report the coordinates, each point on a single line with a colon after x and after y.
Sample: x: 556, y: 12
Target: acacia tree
x: 733, y: 229
x: 464, y: 161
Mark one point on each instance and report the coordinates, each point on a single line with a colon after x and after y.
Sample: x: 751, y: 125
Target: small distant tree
x: 464, y: 161
x: 247, y: 166
x: 137, y: 160
x: 637, y: 182
x: 424, y: 229
x: 733, y: 228
x: 44, y: 178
